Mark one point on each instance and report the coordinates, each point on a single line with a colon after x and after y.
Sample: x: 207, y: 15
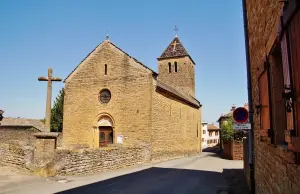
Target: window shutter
x: 264, y: 104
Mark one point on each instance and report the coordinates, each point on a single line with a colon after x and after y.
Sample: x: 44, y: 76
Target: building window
x: 105, y: 69
x: 290, y: 50
x: 105, y: 96
x: 175, y: 66
x: 204, y: 131
x: 216, y: 133
x: 202, y: 139
x: 277, y: 102
x: 210, y: 134
x: 170, y: 68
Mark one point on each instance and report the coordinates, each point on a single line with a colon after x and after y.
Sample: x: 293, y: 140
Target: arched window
x: 175, y: 66
x: 170, y: 69
x: 105, y: 69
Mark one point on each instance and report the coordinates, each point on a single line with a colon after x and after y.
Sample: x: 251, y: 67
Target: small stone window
x: 105, y: 96
x: 175, y: 66
x: 170, y: 68
x: 105, y: 69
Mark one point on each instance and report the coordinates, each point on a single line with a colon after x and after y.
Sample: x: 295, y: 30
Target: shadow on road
x: 236, y: 180
x: 214, y: 149
x: 161, y: 181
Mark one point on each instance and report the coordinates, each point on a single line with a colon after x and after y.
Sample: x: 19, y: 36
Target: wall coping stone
x: 46, y: 135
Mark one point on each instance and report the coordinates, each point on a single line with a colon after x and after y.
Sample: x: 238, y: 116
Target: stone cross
x: 174, y: 45
x: 49, y: 79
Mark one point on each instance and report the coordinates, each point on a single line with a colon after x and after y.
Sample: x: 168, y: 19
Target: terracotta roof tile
x: 212, y: 127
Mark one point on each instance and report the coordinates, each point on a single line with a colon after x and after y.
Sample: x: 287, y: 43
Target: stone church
x: 112, y: 99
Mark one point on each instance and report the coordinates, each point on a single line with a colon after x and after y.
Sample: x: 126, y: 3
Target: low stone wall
x: 237, y: 150
x: 74, y: 162
x: 233, y: 150
x: 160, y: 156
x: 15, y: 155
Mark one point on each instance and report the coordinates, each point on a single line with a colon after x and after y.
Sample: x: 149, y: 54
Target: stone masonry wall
x: 130, y: 84
x: 13, y: 134
x: 74, y: 162
x: 184, y: 78
x: 176, y: 128
x: 15, y: 155
x: 21, y: 135
x: 274, y: 166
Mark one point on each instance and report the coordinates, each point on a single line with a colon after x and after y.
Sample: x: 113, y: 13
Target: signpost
x: 240, y: 116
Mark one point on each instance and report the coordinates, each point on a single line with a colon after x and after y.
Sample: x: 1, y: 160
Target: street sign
x: 241, y: 126
x: 240, y: 115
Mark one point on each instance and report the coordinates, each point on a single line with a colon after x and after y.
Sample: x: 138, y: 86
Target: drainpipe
x: 250, y: 104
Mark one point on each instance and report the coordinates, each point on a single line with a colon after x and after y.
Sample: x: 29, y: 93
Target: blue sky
x: 36, y: 35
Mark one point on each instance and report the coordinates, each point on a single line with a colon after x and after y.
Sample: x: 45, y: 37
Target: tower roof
x: 175, y: 49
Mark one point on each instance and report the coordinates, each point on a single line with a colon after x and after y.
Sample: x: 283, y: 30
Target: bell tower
x: 176, y: 67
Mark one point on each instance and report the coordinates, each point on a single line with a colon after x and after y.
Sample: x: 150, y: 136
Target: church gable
x: 107, y: 55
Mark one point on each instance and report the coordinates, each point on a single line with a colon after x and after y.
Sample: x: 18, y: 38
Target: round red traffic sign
x: 240, y: 115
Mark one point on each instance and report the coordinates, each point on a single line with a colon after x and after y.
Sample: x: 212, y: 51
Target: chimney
x: 246, y: 106
x: 233, y: 107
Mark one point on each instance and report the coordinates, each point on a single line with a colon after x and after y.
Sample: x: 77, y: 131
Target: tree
x: 56, y: 121
x: 1, y: 114
x: 227, y: 129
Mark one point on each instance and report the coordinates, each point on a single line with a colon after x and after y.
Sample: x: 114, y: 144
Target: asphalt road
x: 204, y: 173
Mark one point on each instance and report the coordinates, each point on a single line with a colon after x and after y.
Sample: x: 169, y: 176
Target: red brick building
x: 272, y: 33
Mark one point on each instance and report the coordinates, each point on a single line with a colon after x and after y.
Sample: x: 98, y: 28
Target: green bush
x: 227, y: 129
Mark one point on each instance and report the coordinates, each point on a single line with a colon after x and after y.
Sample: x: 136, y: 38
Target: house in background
x: 210, y: 135
x: 20, y: 129
x: 213, y: 135
x: 204, y: 135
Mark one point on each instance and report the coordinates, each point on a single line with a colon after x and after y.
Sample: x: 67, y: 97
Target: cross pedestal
x: 44, y: 153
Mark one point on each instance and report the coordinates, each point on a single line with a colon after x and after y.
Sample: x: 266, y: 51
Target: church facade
x: 112, y: 98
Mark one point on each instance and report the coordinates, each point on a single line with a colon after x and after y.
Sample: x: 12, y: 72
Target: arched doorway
x: 106, y: 133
